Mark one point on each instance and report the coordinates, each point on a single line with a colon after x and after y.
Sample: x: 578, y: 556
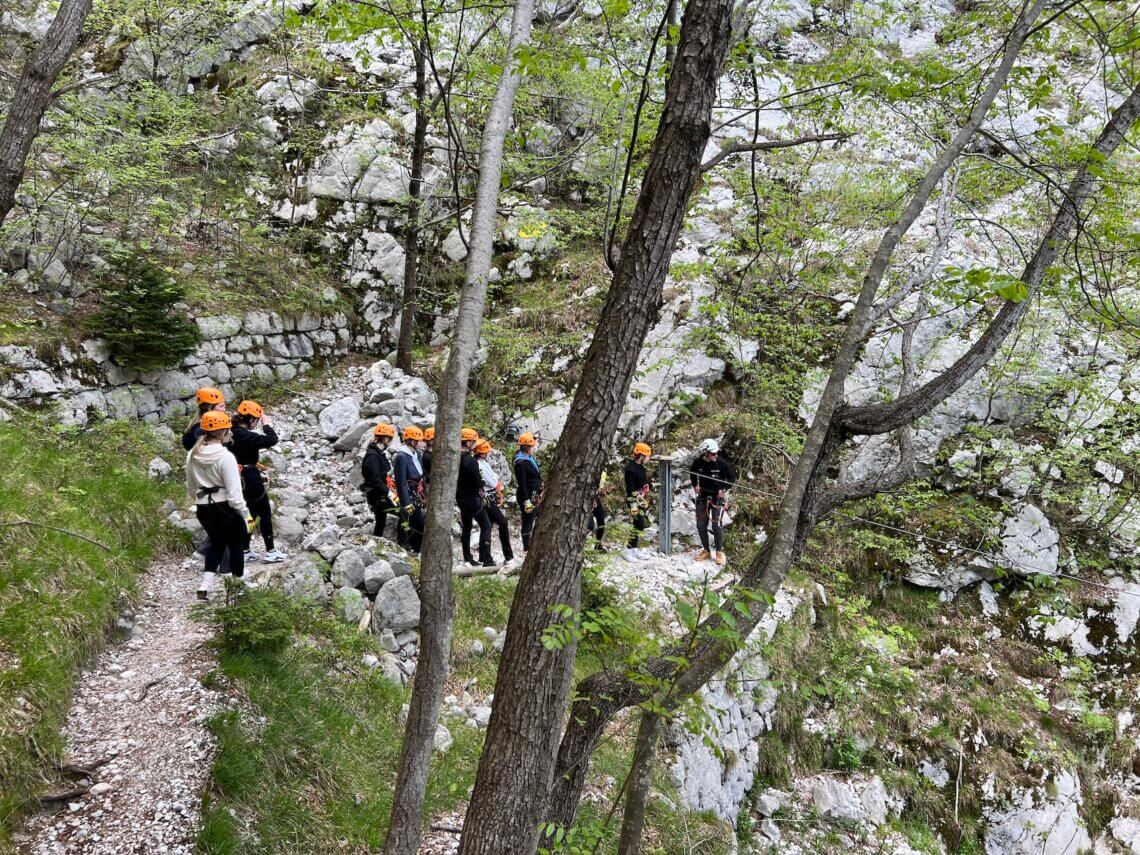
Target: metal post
x: 665, y: 505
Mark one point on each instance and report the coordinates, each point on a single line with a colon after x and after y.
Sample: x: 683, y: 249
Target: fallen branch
x: 450, y: 829
x: 21, y: 522
x: 77, y: 771
x: 65, y: 795
x: 475, y: 571
x: 767, y: 145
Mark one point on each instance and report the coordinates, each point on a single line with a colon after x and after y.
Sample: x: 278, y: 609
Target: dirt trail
x: 138, y: 722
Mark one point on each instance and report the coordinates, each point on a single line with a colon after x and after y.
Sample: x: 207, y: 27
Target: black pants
x: 259, y: 509
x: 710, y: 512
x: 598, y: 522
x: 640, y: 522
x: 528, y: 518
x: 471, y: 512
x: 497, y: 517
x: 226, y: 530
x: 381, y: 504
x: 410, y: 533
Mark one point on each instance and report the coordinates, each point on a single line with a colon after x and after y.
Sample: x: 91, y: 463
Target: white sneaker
x: 274, y: 556
x: 630, y: 554
x: 206, y: 585
x: 252, y: 557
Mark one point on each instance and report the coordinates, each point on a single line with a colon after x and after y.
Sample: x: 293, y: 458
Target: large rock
x: 348, y: 570
x: 398, y: 605
x: 348, y: 605
x: 859, y: 801
x: 350, y: 439
x: 1029, y: 543
x: 305, y: 581
x: 325, y: 542
x: 376, y: 575
x: 1039, y: 821
x: 218, y: 326
x: 338, y: 417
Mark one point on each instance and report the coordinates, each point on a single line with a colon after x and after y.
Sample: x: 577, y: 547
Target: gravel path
x: 139, y: 718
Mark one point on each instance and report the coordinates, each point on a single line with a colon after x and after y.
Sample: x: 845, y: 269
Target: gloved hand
x: 528, y: 506
x: 250, y: 523
x: 409, y: 508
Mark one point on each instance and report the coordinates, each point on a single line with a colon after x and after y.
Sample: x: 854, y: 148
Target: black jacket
x: 375, y: 468
x: 246, y: 446
x: 469, y: 487
x: 636, y: 478
x: 190, y: 435
x: 528, y: 479
x: 407, y: 479
x: 425, y: 461
x: 712, y: 477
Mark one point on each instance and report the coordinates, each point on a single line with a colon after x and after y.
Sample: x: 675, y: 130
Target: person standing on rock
x: 214, y: 481
x: 379, y: 484
x: 247, y: 445
x: 637, y: 487
x: 409, y: 475
x: 209, y: 400
x: 493, y: 500
x: 712, y: 476
x: 598, y: 515
x: 469, y: 497
x: 425, y: 458
x: 528, y: 480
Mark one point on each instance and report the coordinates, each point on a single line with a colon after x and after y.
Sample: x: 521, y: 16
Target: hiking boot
x: 703, y: 555
x: 206, y: 585
x: 720, y: 559
x: 274, y: 556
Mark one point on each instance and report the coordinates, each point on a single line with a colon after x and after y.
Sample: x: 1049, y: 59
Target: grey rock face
x: 376, y: 575
x: 398, y: 605
x: 350, y: 439
x: 1039, y: 820
x: 325, y: 543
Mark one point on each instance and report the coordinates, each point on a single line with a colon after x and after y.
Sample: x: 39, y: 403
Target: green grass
x: 58, y: 592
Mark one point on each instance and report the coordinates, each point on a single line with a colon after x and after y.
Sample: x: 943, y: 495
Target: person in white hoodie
x: 493, y: 499
x: 214, y: 481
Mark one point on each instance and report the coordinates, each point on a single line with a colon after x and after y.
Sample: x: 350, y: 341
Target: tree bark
x: 802, y: 502
x: 512, y: 786
x: 33, y: 95
x: 436, y: 597
x: 412, y: 227
x: 633, y: 819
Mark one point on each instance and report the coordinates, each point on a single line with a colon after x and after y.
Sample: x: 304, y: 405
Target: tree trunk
x: 801, y: 504
x: 436, y: 598
x: 33, y: 95
x: 637, y: 791
x: 511, y: 792
x: 412, y: 228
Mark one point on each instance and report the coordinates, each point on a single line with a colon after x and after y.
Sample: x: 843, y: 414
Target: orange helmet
x: 413, y: 432
x: 251, y: 408
x: 384, y: 429
x: 429, y: 434
x: 469, y: 435
x: 482, y: 447
x: 642, y: 448
x: 526, y: 439
x: 215, y: 420
x: 209, y: 395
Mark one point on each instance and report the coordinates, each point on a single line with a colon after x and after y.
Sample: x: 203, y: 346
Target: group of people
x: 399, y: 484
x: 224, y: 474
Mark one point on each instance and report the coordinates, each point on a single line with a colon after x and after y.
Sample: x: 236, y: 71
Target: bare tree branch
x: 767, y: 145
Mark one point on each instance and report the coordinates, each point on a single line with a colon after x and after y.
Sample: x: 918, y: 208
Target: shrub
x: 253, y: 621
x: 138, y: 317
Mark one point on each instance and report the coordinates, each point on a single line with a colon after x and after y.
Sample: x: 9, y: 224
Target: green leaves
x: 979, y: 283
